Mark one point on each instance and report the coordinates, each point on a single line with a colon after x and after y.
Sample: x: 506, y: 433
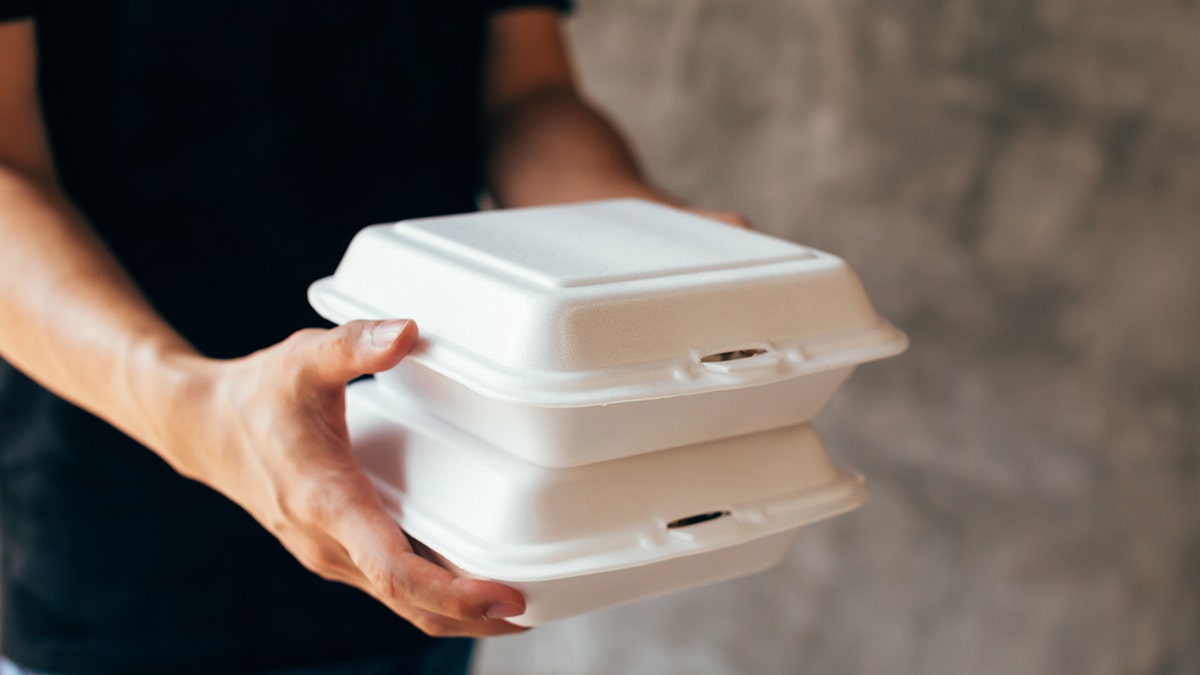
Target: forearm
x: 550, y: 146
x: 71, y: 318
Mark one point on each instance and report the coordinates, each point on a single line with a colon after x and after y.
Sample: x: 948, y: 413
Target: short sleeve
x: 493, y: 6
x: 12, y: 10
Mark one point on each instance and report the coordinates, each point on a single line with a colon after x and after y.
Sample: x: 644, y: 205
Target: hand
x: 270, y: 434
x: 654, y: 194
x: 727, y: 217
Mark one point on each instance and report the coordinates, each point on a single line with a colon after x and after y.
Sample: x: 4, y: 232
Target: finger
x: 400, y: 576
x: 380, y: 550
x: 434, y: 588
x: 358, y: 348
x: 431, y: 623
x: 437, y: 625
x: 322, y: 560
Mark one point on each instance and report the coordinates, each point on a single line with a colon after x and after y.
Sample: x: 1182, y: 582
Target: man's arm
x: 267, y: 430
x: 547, y: 144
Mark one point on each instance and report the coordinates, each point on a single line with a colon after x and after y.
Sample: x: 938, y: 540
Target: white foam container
x: 578, y: 539
x: 581, y: 333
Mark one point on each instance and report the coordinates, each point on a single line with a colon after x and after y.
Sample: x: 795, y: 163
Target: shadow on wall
x: 1018, y: 185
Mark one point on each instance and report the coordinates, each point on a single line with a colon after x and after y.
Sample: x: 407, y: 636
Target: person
x: 174, y: 462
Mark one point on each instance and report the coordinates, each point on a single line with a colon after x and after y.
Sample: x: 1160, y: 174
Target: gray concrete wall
x: 1018, y: 184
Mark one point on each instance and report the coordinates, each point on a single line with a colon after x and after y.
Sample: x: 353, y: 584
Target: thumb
x: 358, y: 348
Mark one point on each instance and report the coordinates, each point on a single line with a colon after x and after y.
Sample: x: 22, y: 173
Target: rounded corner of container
x: 829, y: 259
x: 377, y: 228
x: 888, y: 340
x: 318, y: 292
x: 331, y: 303
x: 856, y: 487
x: 899, y: 340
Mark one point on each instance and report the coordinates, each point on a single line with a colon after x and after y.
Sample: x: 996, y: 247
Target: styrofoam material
x: 541, y: 327
x: 577, y: 539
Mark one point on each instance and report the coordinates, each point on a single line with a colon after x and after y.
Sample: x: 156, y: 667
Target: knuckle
x: 326, y: 562
x: 294, y: 362
x: 309, y: 507
x: 424, y: 626
x: 326, y: 571
x: 320, y: 561
x: 335, y: 494
x: 386, y: 583
x: 300, y: 342
x: 305, y: 335
x: 297, y: 350
x: 458, y: 608
x: 347, y: 336
x: 328, y: 575
x: 297, y: 506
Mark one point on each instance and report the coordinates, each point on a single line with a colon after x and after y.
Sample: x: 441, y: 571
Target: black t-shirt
x: 226, y: 151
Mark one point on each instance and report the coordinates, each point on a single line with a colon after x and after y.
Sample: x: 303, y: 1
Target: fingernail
x: 504, y: 610
x: 385, y: 334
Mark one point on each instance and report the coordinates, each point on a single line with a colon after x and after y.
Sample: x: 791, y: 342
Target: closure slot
x: 743, y: 359
x: 696, y: 519
x: 732, y: 355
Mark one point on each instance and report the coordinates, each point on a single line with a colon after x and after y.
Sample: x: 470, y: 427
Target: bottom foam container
x: 582, y: 538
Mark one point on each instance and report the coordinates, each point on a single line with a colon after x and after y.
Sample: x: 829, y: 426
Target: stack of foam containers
x: 609, y: 400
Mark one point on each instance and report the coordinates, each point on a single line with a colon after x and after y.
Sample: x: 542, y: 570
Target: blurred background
x: 1018, y: 184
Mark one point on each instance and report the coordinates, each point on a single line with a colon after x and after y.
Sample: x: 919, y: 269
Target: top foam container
x: 580, y: 333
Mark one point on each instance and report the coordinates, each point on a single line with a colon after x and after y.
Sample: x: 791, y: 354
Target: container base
x: 555, y: 599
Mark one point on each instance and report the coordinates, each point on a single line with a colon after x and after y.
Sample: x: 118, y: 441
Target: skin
x: 268, y: 430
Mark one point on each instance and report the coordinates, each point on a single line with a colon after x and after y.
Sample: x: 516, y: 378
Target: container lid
x: 496, y: 516
x: 617, y: 300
